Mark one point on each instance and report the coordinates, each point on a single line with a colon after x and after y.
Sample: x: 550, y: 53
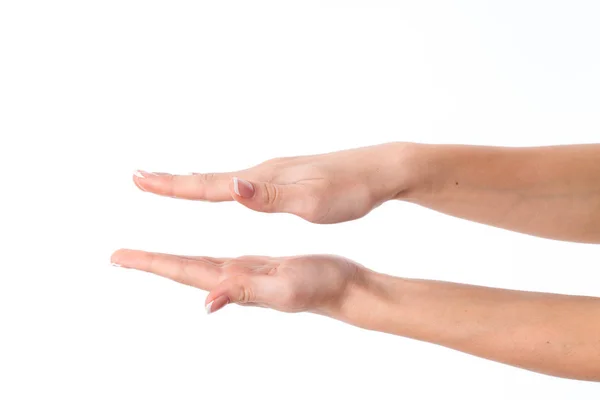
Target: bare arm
x: 548, y: 191
x: 548, y: 333
x: 552, y: 192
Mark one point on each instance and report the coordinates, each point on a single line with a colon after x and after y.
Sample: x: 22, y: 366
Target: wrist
x: 371, y: 300
x: 407, y: 171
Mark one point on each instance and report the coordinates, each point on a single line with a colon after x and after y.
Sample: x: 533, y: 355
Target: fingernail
x: 115, y: 265
x: 243, y: 188
x: 143, y: 174
x: 216, y: 304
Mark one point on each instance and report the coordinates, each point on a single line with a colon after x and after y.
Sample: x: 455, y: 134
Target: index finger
x: 202, y: 273
x: 210, y: 187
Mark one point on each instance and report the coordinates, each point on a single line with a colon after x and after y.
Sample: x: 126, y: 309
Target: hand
x: 325, y: 188
x: 315, y: 283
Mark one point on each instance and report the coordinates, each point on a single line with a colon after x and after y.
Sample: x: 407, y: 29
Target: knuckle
x: 207, y: 176
x: 245, y: 294
x: 171, y: 185
x: 185, y: 271
x: 271, y: 195
x: 181, y: 272
x: 151, y: 266
x: 231, y: 267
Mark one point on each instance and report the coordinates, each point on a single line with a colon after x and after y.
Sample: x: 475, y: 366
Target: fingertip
x: 153, y: 182
x: 139, y: 177
x: 242, y: 188
x: 117, y: 257
x: 123, y: 257
x: 214, y: 304
x: 236, y: 185
x: 137, y: 184
x: 234, y: 189
x: 208, y: 307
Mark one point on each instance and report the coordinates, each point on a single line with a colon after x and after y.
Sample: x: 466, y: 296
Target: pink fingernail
x: 216, y: 304
x: 243, y: 188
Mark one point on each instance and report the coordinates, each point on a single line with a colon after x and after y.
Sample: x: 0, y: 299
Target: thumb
x: 240, y: 289
x: 268, y: 197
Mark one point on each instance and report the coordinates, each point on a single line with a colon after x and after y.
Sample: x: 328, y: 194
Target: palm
x: 312, y: 282
x: 304, y: 283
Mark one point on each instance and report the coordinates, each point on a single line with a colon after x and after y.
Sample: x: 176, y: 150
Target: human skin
x: 553, y: 192
x: 548, y: 333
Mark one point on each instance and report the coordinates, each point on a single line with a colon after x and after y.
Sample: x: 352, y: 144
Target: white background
x: 91, y: 90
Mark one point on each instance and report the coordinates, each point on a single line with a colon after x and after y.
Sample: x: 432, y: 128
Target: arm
x: 552, y: 192
x: 548, y: 333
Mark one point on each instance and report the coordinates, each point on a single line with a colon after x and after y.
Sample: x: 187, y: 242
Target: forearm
x: 551, y: 192
x: 553, y: 334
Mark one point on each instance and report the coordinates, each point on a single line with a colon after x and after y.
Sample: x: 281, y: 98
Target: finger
x: 213, y: 260
x: 210, y: 187
x: 199, y: 273
x: 243, y: 289
x: 269, y: 197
